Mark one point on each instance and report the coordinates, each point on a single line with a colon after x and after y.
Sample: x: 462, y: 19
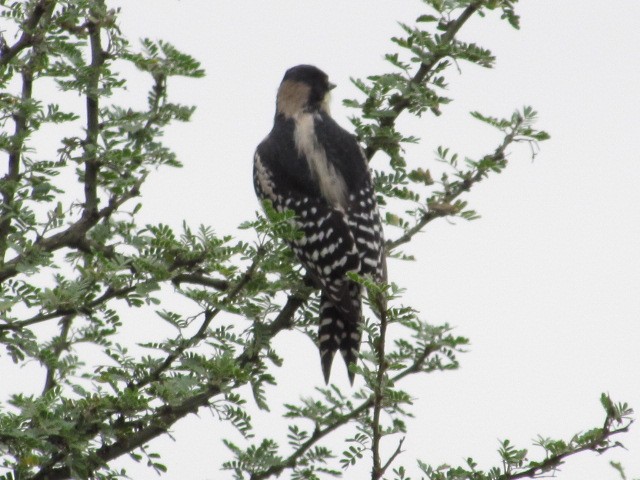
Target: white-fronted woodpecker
x: 312, y: 166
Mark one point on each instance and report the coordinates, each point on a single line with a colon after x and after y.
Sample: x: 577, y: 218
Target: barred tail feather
x: 350, y: 340
x: 339, y: 330
x: 329, y: 333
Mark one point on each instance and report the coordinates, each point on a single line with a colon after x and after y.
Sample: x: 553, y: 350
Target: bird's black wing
x: 363, y: 217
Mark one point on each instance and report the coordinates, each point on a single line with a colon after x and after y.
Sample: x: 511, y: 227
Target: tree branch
x: 443, y: 208
x: 116, y: 202
x: 319, y: 433
x: 209, y: 315
x: 292, y: 460
x: 10, y: 180
x: 164, y: 417
x: 93, y: 119
x: 73, y: 237
x: 59, y: 345
x: 109, y: 294
x: 30, y: 37
x: 425, y: 69
x: 550, y: 463
x: 200, y: 279
x: 295, y: 300
x: 393, y: 456
x: 378, y: 396
x: 29, y: 34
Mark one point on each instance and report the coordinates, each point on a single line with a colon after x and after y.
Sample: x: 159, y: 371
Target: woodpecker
x: 312, y: 166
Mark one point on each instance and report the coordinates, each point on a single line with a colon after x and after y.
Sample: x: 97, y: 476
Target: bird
x: 312, y: 166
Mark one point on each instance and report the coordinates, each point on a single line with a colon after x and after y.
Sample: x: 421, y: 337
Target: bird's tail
x: 340, y: 330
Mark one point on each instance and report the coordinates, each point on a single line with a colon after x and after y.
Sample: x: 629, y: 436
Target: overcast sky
x: 546, y: 284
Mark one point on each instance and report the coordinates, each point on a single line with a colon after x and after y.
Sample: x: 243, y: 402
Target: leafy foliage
x: 77, y: 267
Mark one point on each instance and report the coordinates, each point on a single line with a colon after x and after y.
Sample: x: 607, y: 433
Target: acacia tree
x: 76, y: 265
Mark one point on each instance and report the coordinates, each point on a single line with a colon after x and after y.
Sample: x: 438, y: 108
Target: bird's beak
x: 332, y: 86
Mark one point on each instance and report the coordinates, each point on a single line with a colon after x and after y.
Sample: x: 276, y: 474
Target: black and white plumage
x: 312, y: 166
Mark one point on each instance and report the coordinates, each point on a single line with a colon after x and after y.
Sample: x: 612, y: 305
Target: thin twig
x: 200, y: 279
x: 155, y: 374
x: 59, y: 344
x: 378, y: 396
x: 393, y: 456
x: 108, y: 294
x: 295, y: 300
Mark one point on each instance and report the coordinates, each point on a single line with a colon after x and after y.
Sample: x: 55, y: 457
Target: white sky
x: 546, y: 284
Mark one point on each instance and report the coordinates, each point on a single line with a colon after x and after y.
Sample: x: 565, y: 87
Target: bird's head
x: 304, y: 88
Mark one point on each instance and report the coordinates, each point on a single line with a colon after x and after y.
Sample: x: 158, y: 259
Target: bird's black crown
x: 306, y: 73
x: 316, y: 79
